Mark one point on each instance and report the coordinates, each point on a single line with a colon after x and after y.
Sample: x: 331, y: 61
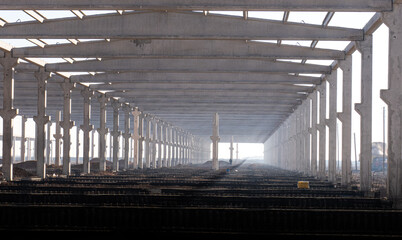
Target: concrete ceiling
x: 178, y: 64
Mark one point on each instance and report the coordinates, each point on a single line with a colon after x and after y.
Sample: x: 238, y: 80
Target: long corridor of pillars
x: 300, y: 142
x: 147, y: 143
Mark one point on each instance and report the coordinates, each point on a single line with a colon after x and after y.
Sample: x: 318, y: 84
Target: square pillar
x: 8, y: 113
x: 86, y: 127
x: 365, y: 109
x: 331, y: 122
x: 102, y: 131
x: 41, y: 120
x: 392, y: 96
x: 346, y: 118
x: 215, y: 141
x: 115, y: 133
x: 67, y: 124
x: 322, y: 131
x: 313, y: 131
x: 136, y: 136
x: 127, y: 136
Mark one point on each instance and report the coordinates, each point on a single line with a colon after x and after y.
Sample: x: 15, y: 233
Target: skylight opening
x: 302, y: 43
x: 229, y: 13
x: 290, y: 60
x: 334, y: 45
x: 310, y: 74
x: 19, y: 42
x: 98, y: 12
x: 55, y: 14
x: 351, y: 19
x: 320, y: 62
x: 265, y: 41
x: 12, y: 16
x: 270, y: 15
x: 55, y: 41
x: 307, y: 17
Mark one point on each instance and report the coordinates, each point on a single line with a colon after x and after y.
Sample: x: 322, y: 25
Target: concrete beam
x: 188, y: 65
x: 203, y: 86
x: 228, y: 5
x: 202, y: 93
x: 175, y: 25
x: 156, y: 48
x: 190, y: 77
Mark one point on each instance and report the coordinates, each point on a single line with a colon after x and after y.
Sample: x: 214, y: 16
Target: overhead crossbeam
x: 187, y: 65
x: 168, y: 77
x: 178, y: 49
x: 176, y: 25
x: 229, y: 5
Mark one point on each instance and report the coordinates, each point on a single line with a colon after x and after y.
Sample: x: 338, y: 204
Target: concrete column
x: 176, y: 147
x: 87, y: 128
x: 110, y: 146
x: 237, y: 151
x: 92, y: 144
x: 102, y: 131
x: 298, y: 139
x: 307, y: 137
x: 365, y: 109
x: 331, y: 122
x: 115, y: 133
x: 154, y: 141
x: 67, y: 124
x: 77, y: 146
x: 231, y: 151
x: 322, y: 131
x: 48, y: 143
x: 8, y: 113
x: 57, y: 136
x: 127, y: 109
x: 180, y: 146
x: 215, y: 140
x: 159, y: 141
x: 165, y: 144
x: 147, y: 141
x: 313, y: 131
x: 140, y: 140
x: 392, y: 96
x: 23, y: 139
x: 41, y: 120
x: 136, y: 136
x: 346, y: 118
x: 280, y: 145
x: 170, y: 146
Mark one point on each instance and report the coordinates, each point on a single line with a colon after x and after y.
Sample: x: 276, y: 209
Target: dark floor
x: 236, y: 202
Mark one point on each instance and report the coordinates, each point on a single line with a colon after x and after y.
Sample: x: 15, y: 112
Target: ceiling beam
x: 157, y: 48
x: 232, y: 5
x: 203, y: 86
x: 167, y: 77
x: 175, y: 25
x: 188, y: 66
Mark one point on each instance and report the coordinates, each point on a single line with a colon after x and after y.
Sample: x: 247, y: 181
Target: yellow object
x: 303, y: 184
